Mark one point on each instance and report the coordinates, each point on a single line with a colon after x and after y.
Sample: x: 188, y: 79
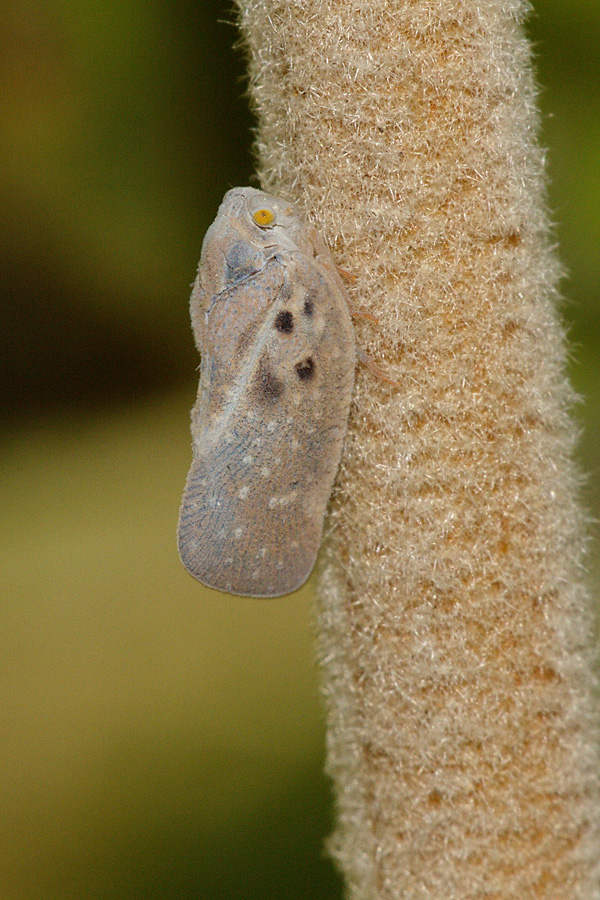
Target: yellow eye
x: 263, y: 217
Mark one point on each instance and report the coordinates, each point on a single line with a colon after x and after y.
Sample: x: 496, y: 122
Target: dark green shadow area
x: 123, y: 125
x: 165, y: 832
x: 274, y: 852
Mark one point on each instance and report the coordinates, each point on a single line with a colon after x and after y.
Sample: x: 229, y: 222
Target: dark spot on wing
x: 284, y: 321
x: 309, y: 306
x: 272, y: 387
x: 268, y: 387
x: 305, y: 369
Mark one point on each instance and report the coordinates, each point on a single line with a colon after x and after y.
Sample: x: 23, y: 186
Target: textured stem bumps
x: 455, y: 628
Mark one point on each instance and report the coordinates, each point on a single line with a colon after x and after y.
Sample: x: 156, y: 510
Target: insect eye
x: 263, y: 217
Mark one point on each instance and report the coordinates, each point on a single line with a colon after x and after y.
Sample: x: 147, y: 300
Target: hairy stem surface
x: 455, y: 625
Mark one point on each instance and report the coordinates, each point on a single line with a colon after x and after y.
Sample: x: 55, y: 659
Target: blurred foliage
x: 159, y: 740
x: 123, y: 124
x: 566, y: 37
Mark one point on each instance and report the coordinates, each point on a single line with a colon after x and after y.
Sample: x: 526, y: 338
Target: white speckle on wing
x: 243, y: 493
x: 282, y: 501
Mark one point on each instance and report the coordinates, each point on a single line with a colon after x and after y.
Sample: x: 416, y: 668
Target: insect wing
x: 277, y: 376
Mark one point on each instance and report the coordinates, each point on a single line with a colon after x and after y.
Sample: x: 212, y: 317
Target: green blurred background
x: 158, y: 740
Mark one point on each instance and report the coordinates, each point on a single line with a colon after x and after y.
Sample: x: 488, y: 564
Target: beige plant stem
x: 456, y: 634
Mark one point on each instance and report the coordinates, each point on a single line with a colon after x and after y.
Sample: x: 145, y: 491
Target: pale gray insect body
x: 271, y: 321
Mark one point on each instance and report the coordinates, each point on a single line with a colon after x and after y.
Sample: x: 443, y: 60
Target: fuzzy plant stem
x: 455, y: 626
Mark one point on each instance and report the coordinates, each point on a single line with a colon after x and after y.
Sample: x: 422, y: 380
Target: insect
x: 271, y: 321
